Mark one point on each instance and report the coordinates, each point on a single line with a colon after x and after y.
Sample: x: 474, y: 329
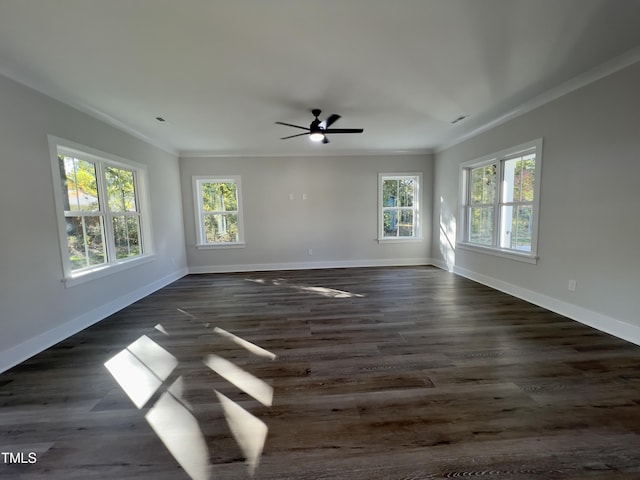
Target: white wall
x: 338, y: 220
x: 589, y: 212
x: 36, y: 310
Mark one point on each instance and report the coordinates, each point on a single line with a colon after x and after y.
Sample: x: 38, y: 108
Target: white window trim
x: 197, y: 180
x: 70, y: 277
x: 417, y: 237
x: 498, y: 158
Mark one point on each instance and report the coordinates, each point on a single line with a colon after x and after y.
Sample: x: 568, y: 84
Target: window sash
x: 206, y: 231
x: 508, y: 233
x: 105, y: 213
x: 123, y: 235
x: 391, y: 226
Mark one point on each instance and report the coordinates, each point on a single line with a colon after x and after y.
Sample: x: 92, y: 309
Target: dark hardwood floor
x: 372, y: 373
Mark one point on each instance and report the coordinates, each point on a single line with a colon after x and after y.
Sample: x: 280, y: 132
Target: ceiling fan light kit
x: 318, y: 129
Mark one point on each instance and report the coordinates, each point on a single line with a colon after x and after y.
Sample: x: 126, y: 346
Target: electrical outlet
x: 310, y: 251
x: 572, y: 285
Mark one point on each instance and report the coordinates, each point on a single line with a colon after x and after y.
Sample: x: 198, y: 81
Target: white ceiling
x: 221, y: 72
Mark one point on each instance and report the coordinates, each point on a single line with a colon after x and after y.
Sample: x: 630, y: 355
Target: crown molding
x: 335, y: 153
x: 92, y: 112
x: 590, y: 76
x: 123, y: 127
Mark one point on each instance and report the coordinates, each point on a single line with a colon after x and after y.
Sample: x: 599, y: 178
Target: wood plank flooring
x: 372, y: 373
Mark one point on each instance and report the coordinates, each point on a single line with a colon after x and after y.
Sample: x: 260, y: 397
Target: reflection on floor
x: 369, y: 373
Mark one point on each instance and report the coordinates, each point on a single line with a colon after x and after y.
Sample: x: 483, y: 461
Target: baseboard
x: 21, y: 352
x: 604, y: 323
x: 440, y: 264
x: 262, y: 267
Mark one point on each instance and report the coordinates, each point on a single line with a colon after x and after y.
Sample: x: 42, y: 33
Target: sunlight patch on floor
x: 133, y: 377
x: 251, y: 347
x: 249, y: 431
x: 327, y: 292
x: 141, y: 368
x: 258, y: 389
x: 180, y: 432
x: 144, y: 370
x: 161, y: 329
x: 324, y: 291
x: 155, y: 358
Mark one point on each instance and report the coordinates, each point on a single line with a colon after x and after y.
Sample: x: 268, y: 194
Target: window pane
x: 527, y: 177
x: 85, y: 241
x: 519, y: 179
x: 516, y: 227
x: 230, y: 196
x: 219, y: 197
x: 79, y: 186
x: 405, y: 192
x: 221, y: 228
x: 483, y: 184
x: 405, y: 226
x: 126, y: 235
x: 390, y: 219
x: 120, y: 190
x: 390, y: 193
x: 481, y: 225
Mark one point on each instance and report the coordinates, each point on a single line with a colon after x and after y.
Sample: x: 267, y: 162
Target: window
x: 218, y: 206
x: 500, y: 201
x: 399, y: 201
x: 102, y: 220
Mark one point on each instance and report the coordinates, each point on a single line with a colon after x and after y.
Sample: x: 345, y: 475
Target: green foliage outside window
x: 84, y: 214
x: 220, y: 212
x: 398, y: 207
x: 517, y: 198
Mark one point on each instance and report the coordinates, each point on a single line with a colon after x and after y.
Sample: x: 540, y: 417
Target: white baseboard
x: 604, y: 323
x: 262, y: 267
x: 21, y: 352
x: 440, y: 264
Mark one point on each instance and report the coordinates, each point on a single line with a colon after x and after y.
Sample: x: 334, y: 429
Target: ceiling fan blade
x: 290, y: 125
x: 344, y: 130
x: 327, y: 122
x: 297, y: 135
x: 325, y: 139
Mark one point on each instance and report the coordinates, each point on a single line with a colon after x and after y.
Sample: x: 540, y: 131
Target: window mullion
x: 415, y: 211
x: 202, y: 228
x: 103, y: 200
x: 136, y: 197
x: 201, y: 214
x: 497, y: 202
x: 467, y: 204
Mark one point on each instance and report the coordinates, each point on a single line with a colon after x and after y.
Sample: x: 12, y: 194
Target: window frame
x: 499, y: 159
x: 416, y: 208
x: 102, y: 160
x: 197, y: 182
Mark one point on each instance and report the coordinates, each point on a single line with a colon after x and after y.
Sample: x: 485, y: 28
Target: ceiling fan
x: 318, y: 129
